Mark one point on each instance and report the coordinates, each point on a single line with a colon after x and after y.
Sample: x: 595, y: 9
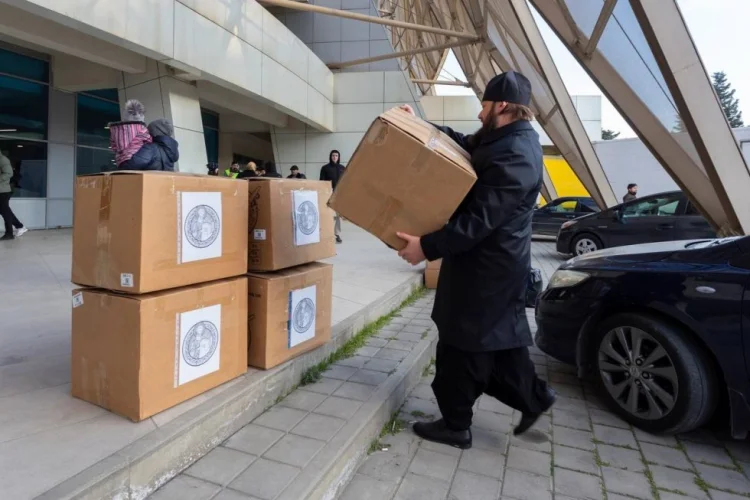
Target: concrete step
x: 142, y: 467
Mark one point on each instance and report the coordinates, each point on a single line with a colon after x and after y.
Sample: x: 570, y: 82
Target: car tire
x: 585, y: 240
x: 695, y: 394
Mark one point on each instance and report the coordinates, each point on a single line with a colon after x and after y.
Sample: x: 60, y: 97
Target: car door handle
x: 665, y: 226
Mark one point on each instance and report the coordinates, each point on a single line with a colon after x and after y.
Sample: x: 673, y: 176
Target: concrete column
x: 167, y: 97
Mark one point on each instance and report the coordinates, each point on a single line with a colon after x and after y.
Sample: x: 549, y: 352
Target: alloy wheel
x: 638, y: 373
x: 585, y: 245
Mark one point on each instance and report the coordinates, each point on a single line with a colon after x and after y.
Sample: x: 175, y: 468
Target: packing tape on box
x: 103, y: 235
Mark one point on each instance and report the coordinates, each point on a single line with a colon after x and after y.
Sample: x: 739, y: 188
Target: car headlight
x: 566, y: 225
x: 563, y: 278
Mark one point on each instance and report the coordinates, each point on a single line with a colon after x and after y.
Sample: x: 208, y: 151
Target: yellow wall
x: 563, y: 178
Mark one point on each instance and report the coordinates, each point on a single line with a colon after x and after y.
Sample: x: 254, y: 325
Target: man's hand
x: 412, y: 253
x: 408, y: 109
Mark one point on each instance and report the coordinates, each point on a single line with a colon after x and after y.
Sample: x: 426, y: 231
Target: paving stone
x: 724, y: 479
x: 495, y: 422
x: 485, y: 462
x: 423, y: 391
x: 572, y: 420
x: 422, y: 322
x: 706, y: 453
x: 607, y: 418
x: 613, y: 435
x: 253, y: 439
x: 221, y: 465
x: 404, y: 443
x: 626, y: 482
x: 414, y: 329
x: 184, y: 487
x: 231, y: 495
x: 560, y: 367
x: 739, y: 450
x: 294, y: 450
x: 676, y: 480
x: 385, y: 465
x: 526, y: 486
x: 572, y: 405
x: 432, y: 464
x: 392, y: 354
x: 325, y: 386
x: 367, y: 351
x: 646, y: 437
x: 574, y: 438
x: 577, y: 484
x: 400, y: 345
x: 415, y: 487
x: 320, y: 427
x: 543, y: 423
x: 705, y: 436
x: 303, y: 400
x: 532, y: 461
x: 468, y: 486
x: 364, y: 487
x: 382, y: 365
x: 360, y: 392
x: 539, y: 359
x: 281, y: 418
x: 264, y: 479
x: 620, y: 458
x: 533, y: 440
x: 664, y: 455
x: 415, y: 407
x: 569, y: 391
x: 413, y: 337
x: 564, y: 378
x: 572, y: 458
x: 668, y: 495
x: 440, y: 448
x: 354, y: 361
x: 334, y: 406
x: 723, y: 495
x: 399, y: 320
x: 340, y: 372
x: 376, y: 342
x: 488, y: 440
x: 489, y: 403
x: 369, y: 377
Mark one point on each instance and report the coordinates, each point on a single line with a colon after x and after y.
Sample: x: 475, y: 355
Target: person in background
x: 213, y: 168
x: 333, y: 171
x: 161, y: 154
x: 296, y: 174
x: 269, y: 170
x: 480, y: 306
x: 127, y: 137
x: 250, y: 171
x: 232, y: 171
x: 13, y: 226
x: 632, y: 193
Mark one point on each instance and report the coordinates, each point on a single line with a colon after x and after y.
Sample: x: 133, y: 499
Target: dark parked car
x: 549, y: 218
x: 663, y: 328
x: 658, y: 217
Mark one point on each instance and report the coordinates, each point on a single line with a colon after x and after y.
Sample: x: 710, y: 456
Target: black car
x: 658, y: 217
x: 663, y: 328
x: 548, y: 219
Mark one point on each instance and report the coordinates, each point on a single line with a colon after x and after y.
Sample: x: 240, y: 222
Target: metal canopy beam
x: 395, y: 55
x: 287, y: 4
x: 601, y: 23
x: 441, y: 82
x: 548, y: 187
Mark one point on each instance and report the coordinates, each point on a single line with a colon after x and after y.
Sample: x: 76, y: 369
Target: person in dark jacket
x: 486, y: 250
x: 295, y: 173
x: 269, y: 170
x: 632, y: 193
x: 332, y: 171
x: 161, y: 154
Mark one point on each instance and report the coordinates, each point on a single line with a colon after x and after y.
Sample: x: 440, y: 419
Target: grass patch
x: 420, y: 414
x: 428, y: 367
x: 701, y: 483
x: 599, y: 461
x: 392, y: 427
x: 650, y: 476
x: 358, y: 340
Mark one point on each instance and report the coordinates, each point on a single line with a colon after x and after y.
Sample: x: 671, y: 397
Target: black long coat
x: 486, y: 246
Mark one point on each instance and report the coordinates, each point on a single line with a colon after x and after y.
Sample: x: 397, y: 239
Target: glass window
x: 16, y: 64
x: 659, y: 206
x: 211, y: 138
x: 93, y: 116
x: 108, y: 94
x: 29, y: 162
x: 564, y: 207
x: 210, y: 119
x: 587, y: 206
x: 691, y: 210
x: 23, y: 108
x: 94, y: 161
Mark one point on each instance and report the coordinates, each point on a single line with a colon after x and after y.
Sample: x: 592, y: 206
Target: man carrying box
x: 486, y: 250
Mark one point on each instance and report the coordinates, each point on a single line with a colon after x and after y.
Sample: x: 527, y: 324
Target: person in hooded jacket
x: 161, y: 154
x: 483, y: 332
x: 269, y: 170
x: 333, y: 171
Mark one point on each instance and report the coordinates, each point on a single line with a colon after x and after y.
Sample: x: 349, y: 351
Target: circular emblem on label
x: 307, y: 217
x: 200, y: 343
x: 202, y: 226
x: 304, y: 314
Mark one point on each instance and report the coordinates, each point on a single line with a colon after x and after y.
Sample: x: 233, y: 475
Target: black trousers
x: 461, y: 377
x: 7, y: 214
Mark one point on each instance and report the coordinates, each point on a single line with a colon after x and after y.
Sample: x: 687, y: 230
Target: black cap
x: 294, y: 167
x: 510, y: 86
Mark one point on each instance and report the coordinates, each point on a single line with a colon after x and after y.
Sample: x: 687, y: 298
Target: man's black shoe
x: 7, y: 237
x: 438, y: 432
x: 529, y: 419
x: 338, y: 239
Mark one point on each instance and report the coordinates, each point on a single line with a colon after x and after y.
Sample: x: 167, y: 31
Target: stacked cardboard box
x: 290, y: 295
x: 163, y: 316
x: 432, y: 273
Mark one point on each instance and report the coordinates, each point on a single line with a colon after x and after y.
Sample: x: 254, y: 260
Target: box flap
x: 293, y: 271
x: 152, y: 172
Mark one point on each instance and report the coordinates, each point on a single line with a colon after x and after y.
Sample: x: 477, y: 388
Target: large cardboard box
x: 139, y: 232
x: 289, y: 224
x: 137, y: 355
x: 405, y: 175
x: 432, y: 273
x: 290, y: 313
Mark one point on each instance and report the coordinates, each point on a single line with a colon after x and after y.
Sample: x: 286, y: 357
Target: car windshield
x: 710, y: 243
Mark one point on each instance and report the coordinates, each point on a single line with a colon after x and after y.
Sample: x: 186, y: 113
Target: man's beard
x: 488, y: 125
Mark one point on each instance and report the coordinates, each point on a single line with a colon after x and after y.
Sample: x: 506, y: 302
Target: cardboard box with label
x: 137, y: 355
x: 140, y: 232
x: 432, y: 273
x: 289, y: 313
x: 406, y: 176
x: 289, y: 223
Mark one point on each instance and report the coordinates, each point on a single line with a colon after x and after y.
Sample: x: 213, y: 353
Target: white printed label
x: 77, y: 300
x: 259, y: 234
x: 302, y: 311
x: 126, y: 280
x: 198, y: 342
x: 306, y: 218
x: 200, y: 226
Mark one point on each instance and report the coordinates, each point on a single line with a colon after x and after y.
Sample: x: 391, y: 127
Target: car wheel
x: 586, y: 243
x: 653, y: 375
